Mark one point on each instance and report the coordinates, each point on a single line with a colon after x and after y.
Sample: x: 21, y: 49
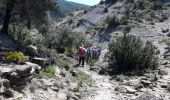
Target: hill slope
x: 66, y: 7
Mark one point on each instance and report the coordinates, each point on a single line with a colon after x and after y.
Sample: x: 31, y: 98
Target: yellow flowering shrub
x: 16, y: 57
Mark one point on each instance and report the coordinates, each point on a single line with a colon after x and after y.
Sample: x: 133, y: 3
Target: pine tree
x: 28, y: 12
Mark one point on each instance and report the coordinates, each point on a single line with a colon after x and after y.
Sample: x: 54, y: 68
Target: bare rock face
x: 17, y: 74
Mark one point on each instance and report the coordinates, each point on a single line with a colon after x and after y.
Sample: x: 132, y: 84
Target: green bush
x: 63, y: 64
x: 15, y: 57
x: 22, y: 35
x: 142, y: 4
x: 80, y: 22
x: 128, y: 53
x: 65, y: 39
x: 157, y: 5
x: 48, y: 72
x: 127, y: 29
x: 48, y: 53
x: 112, y: 21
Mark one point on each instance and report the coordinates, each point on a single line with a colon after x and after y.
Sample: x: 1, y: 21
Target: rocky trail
x: 128, y: 88
x: 103, y: 87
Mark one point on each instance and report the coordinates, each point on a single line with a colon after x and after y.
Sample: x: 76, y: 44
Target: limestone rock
x: 35, y: 68
x: 130, y: 90
x: 146, y: 82
x: 41, y: 61
x: 55, y: 89
x: 5, y: 71
x: 163, y: 72
x: 23, y: 70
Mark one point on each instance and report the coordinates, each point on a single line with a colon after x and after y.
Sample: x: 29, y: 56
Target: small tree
x: 129, y: 53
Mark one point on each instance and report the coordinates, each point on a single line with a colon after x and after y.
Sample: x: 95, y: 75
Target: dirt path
x: 103, y: 88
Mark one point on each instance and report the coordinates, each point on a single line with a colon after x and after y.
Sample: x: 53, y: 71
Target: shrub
x: 80, y: 22
x: 21, y: 35
x: 16, y: 57
x: 105, y: 10
x: 157, y: 5
x: 64, y: 39
x: 63, y: 64
x: 48, y: 53
x: 127, y: 28
x: 142, y: 4
x: 112, y: 21
x: 49, y: 72
x: 128, y: 53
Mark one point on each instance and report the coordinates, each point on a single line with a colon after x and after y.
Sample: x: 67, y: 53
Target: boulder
x: 5, y: 71
x: 23, y: 70
x: 5, y: 83
x: 146, y: 82
x: 163, y: 72
x: 41, y: 61
x: 35, y: 68
x: 55, y: 89
x: 8, y: 93
x: 130, y: 90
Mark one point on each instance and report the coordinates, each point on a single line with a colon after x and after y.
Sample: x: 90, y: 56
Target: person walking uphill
x: 82, y: 54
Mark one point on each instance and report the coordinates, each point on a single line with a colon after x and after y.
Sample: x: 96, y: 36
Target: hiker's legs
x: 88, y: 59
x: 80, y: 60
x: 83, y: 58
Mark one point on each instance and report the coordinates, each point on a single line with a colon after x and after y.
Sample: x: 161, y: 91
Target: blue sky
x: 87, y: 2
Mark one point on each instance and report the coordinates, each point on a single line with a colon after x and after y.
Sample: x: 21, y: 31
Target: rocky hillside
x: 150, y: 22
x: 66, y: 7
x: 39, y: 73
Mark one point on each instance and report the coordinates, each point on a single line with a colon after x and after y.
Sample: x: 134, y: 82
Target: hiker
x: 95, y: 53
x: 82, y: 54
x: 88, y: 55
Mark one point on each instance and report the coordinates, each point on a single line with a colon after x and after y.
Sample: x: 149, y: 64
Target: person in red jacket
x: 82, y: 54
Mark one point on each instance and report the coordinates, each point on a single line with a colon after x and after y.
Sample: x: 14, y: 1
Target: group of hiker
x: 88, y: 54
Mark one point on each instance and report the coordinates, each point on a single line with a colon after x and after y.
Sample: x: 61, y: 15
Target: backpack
x: 95, y: 53
x: 89, y: 51
x: 82, y: 51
